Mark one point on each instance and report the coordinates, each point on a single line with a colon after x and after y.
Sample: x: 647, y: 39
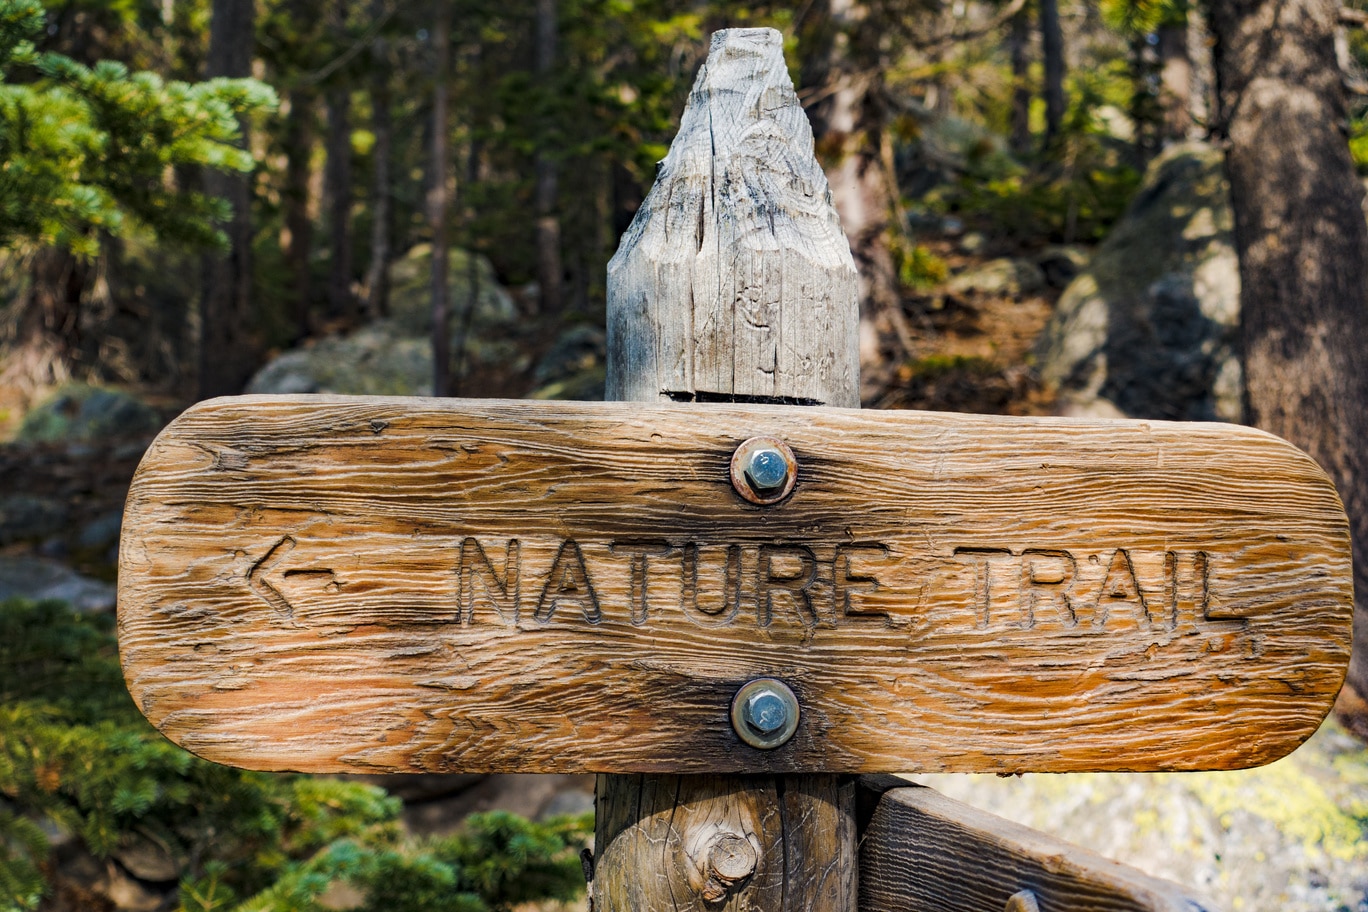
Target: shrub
x: 77, y: 758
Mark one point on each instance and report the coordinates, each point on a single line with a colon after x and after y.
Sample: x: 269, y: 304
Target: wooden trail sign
x: 353, y: 584
x: 366, y: 584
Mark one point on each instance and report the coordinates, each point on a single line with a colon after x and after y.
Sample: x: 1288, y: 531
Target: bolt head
x: 767, y: 469
x: 766, y: 712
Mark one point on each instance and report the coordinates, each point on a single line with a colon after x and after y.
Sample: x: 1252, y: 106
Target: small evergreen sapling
x: 77, y: 758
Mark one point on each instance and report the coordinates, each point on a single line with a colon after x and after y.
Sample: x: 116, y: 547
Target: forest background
x: 196, y: 194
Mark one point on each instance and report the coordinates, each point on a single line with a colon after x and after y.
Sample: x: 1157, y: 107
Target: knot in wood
x: 731, y: 860
x: 1022, y: 901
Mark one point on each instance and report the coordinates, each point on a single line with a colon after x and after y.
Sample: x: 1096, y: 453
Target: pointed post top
x: 735, y: 281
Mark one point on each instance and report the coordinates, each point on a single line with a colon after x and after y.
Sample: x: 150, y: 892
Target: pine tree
x: 87, y: 151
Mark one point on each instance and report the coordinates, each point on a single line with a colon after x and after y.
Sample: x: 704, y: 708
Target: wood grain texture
x: 927, y: 852
x: 725, y: 843
x: 752, y: 296
x: 370, y: 584
x: 734, y: 278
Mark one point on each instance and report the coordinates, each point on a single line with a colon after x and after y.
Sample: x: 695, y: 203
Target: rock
x: 83, y: 882
x: 1061, y: 265
x: 574, y: 367
x: 79, y: 413
x: 148, y: 860
x: 410, y: 297
x: 1149, y: 329
x: 376, y: 360
x: 571, y: 802
x: 529, y: 795
x: 393, y: 356
x: 39, y: 578
x: 101, y: 532
x: 972, y: 242
x: 1003, y: 276
x: 1288, y: 836
x: 24, y: 517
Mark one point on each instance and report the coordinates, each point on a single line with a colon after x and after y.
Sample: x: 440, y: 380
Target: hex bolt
x: 767, y: 470
x: 764, y: 470
x: 764, y: 713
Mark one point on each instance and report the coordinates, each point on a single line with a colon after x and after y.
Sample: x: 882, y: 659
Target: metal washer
x: 749, y: 734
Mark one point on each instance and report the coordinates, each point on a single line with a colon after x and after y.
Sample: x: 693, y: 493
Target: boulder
x: 1061, y: 264
x: 81, y: 413
x: 574, y: 367
x: 24, y: 517
x: 1003, y: 276
x: 376, y: 360
x: 37, y: 578
x: 1149, y: 330
x: 393, y: 356
x: 410, y: 296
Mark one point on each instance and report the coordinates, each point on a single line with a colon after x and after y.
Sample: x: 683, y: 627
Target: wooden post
x: 734, y: 283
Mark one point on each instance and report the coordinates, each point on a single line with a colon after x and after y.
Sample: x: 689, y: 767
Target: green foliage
x: 1135, y: 18
x: 918, y: 268
x: 77, y: 757
x: 1358, y: 115
x: 87, y: 150
x: 1079, y: 190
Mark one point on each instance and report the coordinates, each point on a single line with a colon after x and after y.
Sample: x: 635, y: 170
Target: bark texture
x: 228, y: 353
x: 1303, y: 247
x: 438, y: 203
x: 1052, y: 51
x: 298, y: 143
x: 550, y: 272
x: 382, y: 123
x: 338, y: 178
x: 47, y: 343
x: 1019, y: 41
x: 1175, y: 78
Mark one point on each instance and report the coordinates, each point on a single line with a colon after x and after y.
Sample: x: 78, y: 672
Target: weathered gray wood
x: 710, y: 843
x: 926, y: 852
x: 735, y: 279
x: 363, y: 583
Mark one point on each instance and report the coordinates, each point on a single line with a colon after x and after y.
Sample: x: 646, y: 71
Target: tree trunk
x: 1303, y: 248
x: 47, y: 344
x: 377, y: 276
x: 338, y: 181
x: 1145, y: 111
x: 474, y: 152
x: 847, y: 121
x: 298, y: 142
x: 1052, y: 50
x: 437, y: 203
x: 1175, y: 79
x: 726, y: 257
x: 550, y: 272
x: 1019, y: 43
x: 228, y: 353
